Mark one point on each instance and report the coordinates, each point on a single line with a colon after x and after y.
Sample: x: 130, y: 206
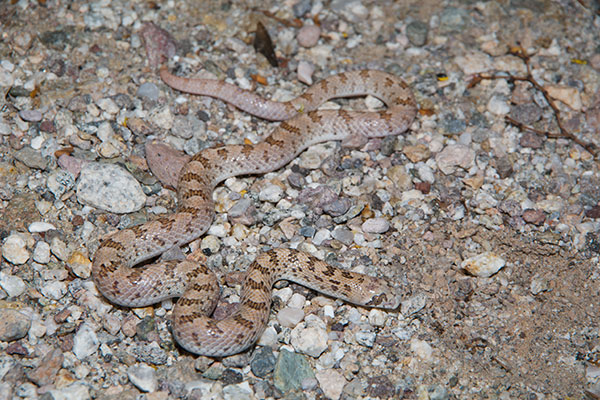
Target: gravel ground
x: 489, y: 230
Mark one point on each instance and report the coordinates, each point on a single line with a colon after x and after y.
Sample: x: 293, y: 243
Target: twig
x: 518, y: 51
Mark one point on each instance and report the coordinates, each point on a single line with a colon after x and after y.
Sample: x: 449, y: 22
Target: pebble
x: 308, y: 35
x: 14, y: 249
x: 85, y: 342
x: 454, y: 155
x: 535, y: 217
x: 290, y: 316
x: 54, y: 290
x: 422, y: 349
x: 77, y: 390
x: 263, y: 362
x: 305, y: 72
x: 343, y: 234
x: 566, y: 94
x: 32, y: 158
x: 310, y: 337
x: 375, y: 225
x: 527, y: 113
x: 45, y: 372
x: 271, y: 193
x: 301, y: 7
x: 120, y: 192
x: 531, y: 140
x: 30, y: 115
x: 143, y: 377
x: 453, y: 20
x: 331, y: 382
x: 37, y: 227
x: 14, y: 325
x: 365, y: 338
x: 291, y: 369
x: 416, y: 153
x: 12, y: 285
x: 483, y: 265
x: 417, y: 31
x: 498, y: 105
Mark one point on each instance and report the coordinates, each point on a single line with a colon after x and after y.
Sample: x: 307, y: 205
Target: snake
x: 116, y: 268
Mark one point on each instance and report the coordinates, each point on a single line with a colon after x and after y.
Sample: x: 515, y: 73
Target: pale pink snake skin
x: 196, y: 286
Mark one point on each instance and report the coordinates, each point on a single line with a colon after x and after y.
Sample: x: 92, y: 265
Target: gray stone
x: 13, y: 325
x: 143, y: 377
x: 416, y: 32
x: 290, y: 370
x: 109, y: 187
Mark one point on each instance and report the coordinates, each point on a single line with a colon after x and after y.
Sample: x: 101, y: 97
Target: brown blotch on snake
x: 114, y: 264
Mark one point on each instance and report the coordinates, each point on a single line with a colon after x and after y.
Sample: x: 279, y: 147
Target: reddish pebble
x: 535, y: 217
x: 308, y: 35
x: 593, y: 212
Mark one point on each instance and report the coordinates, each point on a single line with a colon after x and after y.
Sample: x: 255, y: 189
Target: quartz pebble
x: 331, y: 382
x: 12, y: 285
x: 376, y: 225
x: 310, y: 337
x: 14, y: 249
x: 85, y: 342
x: 305, y: 72
x: 308, y: 35
x: 290, y: 317
x: 483, y: 265
x: 143, y: 377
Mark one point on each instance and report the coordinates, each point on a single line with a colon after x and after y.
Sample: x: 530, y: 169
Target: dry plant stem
x: 564, y: 133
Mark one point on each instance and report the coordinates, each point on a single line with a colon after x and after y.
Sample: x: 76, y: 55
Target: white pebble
x: 377, y: 317
x: 483, y: 265
x: 268, y: 338
x: 290, y: 317
x: 271, y: 193
x: 421, y: 349
x: 36, y: 227
x: 121, y: 192
x: 108, y: 105
x: 331, y: 382
x: 59, y: 249
x: 321, y: 236
x: 143, y: 377
x: 12, y: 285
x: 284, y: 294
x: 373, y: 103
x: 366, y: 339
x: 498, y: 105
x: 14, y: 249
x: 54, y: 290
x: 376, y: 225
x: 85, y: 342
x: 297, y: 301
x: 328, y: 311
x: 310, y: 337
x: 305, y: 72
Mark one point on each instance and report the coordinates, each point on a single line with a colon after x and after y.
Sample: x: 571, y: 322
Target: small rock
x: 80, y: 265
x: 375, y: 225
x: 108, y: 105
x: 310, y: 337
x: 12, y: 285
x: 365, y: 338
x: 535, y: 217
x: 263, y: 362
x: 308, y: 35
x: 45, y: 372
x: 143, y: 377
x: 79, y: 391
x: 527, y: 113
x: 305, y: 72
x: 109, y: 187
x: 271, y: 193
x: 337, y: 207
x: 566, y: 94
x: 85, y: 342
x: 331, y: 382
x: 416, y: 32
x: 290, y: 317
x: 30, y: 115
x: 14, y: 249
x: 416, y: 153
x: 32, y: 158
x: 455, y: 155
x: 148, y: 90
x: 14, y: 325
x: 290, y: 371
x: 453, y: 19
x: 531, y: 140
x: 37, y: 227
x: 54, y: 290
x: 483, y: 265
x: 343, y: 234
x: 422, y: 349
x: 301, y: 8
x: 498, y: 105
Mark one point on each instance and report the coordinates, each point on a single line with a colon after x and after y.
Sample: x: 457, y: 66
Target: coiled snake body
x: 196, y: 286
